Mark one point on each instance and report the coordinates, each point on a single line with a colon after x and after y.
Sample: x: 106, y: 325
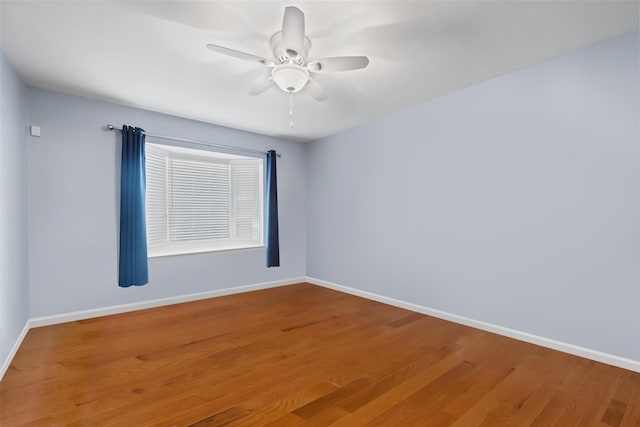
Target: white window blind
x: 156, y: 201
x: 201, y: 201
x: 247, y: 202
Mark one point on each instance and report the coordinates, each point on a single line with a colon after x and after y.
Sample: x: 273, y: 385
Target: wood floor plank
x: 614, y: 413
x: 287, y: 420
x: 324, y: 418
x: 564, y: 402
x: 539, y: 399
x: 577, y: 400
x: 508, y: 396
x: 387, y: 400
x: 357, y: 400
x: 598, y: 396
x: 332, y: 399
x: 631, y: 416
x: 223, y: 418
x: 262, y: 412
x: 301, y: 355
x: 429, y: 396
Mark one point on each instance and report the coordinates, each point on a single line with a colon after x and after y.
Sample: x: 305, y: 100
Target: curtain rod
x: 192, y: 141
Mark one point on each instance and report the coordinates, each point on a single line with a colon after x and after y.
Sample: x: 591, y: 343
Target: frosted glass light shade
x: 289, y: 77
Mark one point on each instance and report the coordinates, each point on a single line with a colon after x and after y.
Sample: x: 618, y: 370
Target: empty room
x: 315, y: 213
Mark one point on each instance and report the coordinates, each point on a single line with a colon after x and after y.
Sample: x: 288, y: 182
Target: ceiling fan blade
x: 314, y: 90
x: 239, y: 55
x: 293, y: 31
x: 341, y: 63
x: 261, y: 85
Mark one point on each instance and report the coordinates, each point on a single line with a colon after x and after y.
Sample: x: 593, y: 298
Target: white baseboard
x: 115, y: 309
x: 14, y: 350
x: 610, y: 359
x: 123, y: 308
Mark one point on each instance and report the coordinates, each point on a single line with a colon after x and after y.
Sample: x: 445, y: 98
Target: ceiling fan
x: 290, y: 68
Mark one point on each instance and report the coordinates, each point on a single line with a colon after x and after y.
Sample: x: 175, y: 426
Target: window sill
x: 180, y: 252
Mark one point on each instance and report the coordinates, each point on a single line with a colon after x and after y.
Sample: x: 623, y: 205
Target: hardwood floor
x: 301, y: 355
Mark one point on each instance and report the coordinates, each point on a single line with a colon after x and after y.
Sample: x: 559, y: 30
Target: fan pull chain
x: 291, y: 109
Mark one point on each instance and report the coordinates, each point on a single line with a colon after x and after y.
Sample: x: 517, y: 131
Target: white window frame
x: 164, y: 245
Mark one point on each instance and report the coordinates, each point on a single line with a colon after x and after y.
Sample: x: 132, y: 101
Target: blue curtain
x: 133, y: 268
x: 273, y: 242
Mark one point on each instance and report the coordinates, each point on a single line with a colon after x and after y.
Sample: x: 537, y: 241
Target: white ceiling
x: 152, y: 54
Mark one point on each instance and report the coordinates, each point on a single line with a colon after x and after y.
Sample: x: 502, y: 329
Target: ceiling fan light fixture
x: 291, y: 70
x: 289, y: 77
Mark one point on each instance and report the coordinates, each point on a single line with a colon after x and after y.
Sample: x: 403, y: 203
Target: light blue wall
x: 13, y: 208
x: 74, y: 199
x: 513, y: 202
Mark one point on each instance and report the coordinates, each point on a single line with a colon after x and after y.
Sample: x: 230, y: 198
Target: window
x: 200, y: 201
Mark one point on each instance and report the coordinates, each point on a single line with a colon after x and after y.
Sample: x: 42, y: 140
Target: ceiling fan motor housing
x: 284, y: 56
